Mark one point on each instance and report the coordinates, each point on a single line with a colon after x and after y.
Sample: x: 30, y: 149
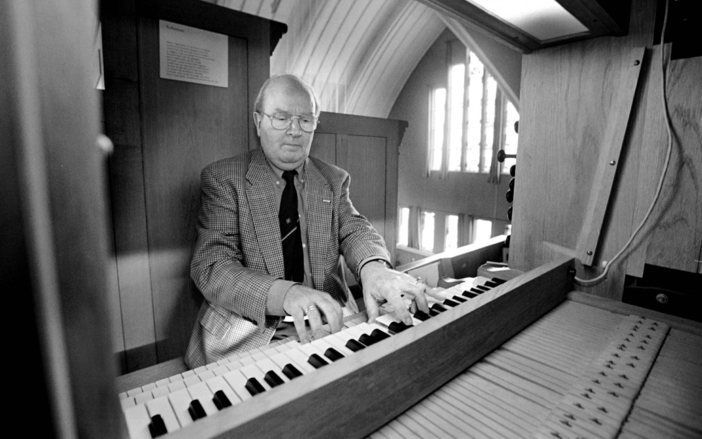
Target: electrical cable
x: 669, y: 131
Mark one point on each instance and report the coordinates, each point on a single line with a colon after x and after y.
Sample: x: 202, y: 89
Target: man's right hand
x: 301, y: 301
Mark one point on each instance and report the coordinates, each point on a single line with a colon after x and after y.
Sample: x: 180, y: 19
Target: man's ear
x: 257, y: 122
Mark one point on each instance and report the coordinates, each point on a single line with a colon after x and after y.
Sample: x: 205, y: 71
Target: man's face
x: 285, y: 148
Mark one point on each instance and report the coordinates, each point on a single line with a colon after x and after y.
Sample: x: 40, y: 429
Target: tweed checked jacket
x: 238, y: 254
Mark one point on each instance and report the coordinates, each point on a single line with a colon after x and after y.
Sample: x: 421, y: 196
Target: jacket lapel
x: 319, y: 207
x: 264, y: 211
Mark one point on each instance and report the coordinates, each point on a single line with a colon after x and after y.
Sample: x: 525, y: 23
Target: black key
x: 367, y: 339
x: 254, y: 387
x: 450, y: 302
x: 421, y: 315
x: 482, y: 287
x: 291, y: 371
x: 333, y: 354
x: 469, y: 294
x: 438, y: 308
x: 477, y: 291
x: 316, y: 361
x: 459, y: 299
x: 498, y: 281
x: 397, y: 327
x: 433, y: 312
x: 157, y: 427
x: 354, y: 346
x: 220, y: 400
x: 378, y: 335
x: 196, y: 411
x: 273, y: 379
x: 491, y: 284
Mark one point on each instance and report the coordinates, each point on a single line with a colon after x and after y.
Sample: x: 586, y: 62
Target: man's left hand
x: 390, y: 288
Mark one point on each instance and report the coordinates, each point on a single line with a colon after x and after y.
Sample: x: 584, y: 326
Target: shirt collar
x: 279, y: 172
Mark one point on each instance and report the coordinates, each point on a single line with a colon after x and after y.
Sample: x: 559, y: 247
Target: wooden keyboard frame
x: 358, y: 394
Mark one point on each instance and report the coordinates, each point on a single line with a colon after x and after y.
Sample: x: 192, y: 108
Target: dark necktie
x: 290, y: 230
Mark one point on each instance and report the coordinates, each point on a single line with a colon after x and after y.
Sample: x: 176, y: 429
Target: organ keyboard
x: 532, y: 385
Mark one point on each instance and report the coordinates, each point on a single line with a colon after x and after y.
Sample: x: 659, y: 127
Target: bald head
x: 288, y: 84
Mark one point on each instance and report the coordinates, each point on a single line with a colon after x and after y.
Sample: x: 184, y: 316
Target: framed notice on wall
x: 193, y: 55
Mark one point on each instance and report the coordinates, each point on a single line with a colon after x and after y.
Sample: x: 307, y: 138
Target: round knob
x: 662, y: 298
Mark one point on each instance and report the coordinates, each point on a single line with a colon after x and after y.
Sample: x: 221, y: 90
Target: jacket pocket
x: 215, y: 322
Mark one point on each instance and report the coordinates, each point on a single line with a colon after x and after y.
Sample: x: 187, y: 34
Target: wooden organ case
x: 528, y: 357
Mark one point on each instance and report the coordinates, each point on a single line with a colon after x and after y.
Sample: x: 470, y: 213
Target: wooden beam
x: 357, y: 394
x: 483, y: 21
x: 606, y: 170
x: 595, y: 17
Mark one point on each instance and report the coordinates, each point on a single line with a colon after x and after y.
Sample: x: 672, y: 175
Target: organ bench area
x: 525, y: 357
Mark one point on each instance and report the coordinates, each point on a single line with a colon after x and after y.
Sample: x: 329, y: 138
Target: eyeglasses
x: 282, y: 121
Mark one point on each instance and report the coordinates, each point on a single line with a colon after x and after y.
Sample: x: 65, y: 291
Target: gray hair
x: 258, y: 103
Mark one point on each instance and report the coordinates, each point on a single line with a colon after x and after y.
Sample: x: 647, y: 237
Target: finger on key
x: 314, y: 318
x: 399, y: 309
x: 333, y: 314
x: 299, y: 320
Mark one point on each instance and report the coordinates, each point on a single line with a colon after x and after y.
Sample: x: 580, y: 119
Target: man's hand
x: 301, y: 301
x: 393, y: 289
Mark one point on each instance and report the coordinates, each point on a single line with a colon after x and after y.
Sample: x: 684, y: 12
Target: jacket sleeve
x: 217, y: 265
x: 358, y: 239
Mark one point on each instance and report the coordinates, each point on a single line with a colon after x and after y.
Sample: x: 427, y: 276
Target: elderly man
x: 272, y: 225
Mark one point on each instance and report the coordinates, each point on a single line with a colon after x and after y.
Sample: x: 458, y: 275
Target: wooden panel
x: 123, y: 127
x: 185, y: 127
x: 367, y: 147
x: 560, y: 143
x: 368, y: 189
x: 49, y: 131
x: 324, y: 147
x: 676, y: 241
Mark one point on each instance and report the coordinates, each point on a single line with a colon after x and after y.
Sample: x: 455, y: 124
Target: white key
x: 161, y: 406
x: 218, y: 383
x: 143, y: 397
x: 237, y: 382
x: 134, y: 392
x: 176, y: 386
x: 205, y: 375
x: 180, y: 401
x: 138, y: 421
x: 123, y: 395
x: 163, y: 383
x: 202, y: 393
x: 160, y: 391
x: 191, y: 380
x: 221, y: 370
x: 127, y: 402
x: 148, y: 387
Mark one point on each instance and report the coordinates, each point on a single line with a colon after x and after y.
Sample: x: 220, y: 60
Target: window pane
x: 451, y: 241
x: 511, y: 136
x: 482, y: 230
x: 403, y: 229
x: 426, y: 231
x: 455, y: 134
x: 475, y: 112
x: 491, y: 89
x: 437, y: 113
